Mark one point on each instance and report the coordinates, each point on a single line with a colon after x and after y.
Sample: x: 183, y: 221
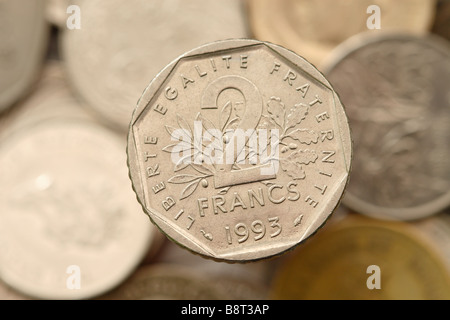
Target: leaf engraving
x: 182, y: 123
x: 233, y: 124
x: 189, y: 189
x: 225, y: 115
x: 182, y: 178
x: 296, y: 114
x: 298, y: 220
x: 182, y: 146
x: 180, y: 166
x: 303, y: 157
x: 304, y: 136
x: 203, y: 168
x: 224, y: 190
x: 277, y: 111
x: 292, y: 169
x: 207, y: 124
x: 178, y: 134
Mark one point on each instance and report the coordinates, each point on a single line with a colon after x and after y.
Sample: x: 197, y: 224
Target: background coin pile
x: 66, y: 99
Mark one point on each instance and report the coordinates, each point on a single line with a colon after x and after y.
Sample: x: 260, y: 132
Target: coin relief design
x: 239, y: 150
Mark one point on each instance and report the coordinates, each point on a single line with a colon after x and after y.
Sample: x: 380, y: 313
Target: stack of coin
x: 93, y: 91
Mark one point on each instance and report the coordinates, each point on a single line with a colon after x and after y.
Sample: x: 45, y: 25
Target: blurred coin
x: 51, y: 99
x: 23, y: 44
x: 396, y: 93
x: 256, y: 274
x: 7, y: 293
x: 158, y: 244
x: 240, y: 289
x: 66, y: 216
x: 56, y: 12
x: 228, y: 209
x: 166, y: 282
x: 437, y: 230
x: 441, y: 24
x: 122, y: 45
x: 335, y: 263
x: 312, y: 28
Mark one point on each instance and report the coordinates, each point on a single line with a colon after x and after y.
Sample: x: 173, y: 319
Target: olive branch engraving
x: 196, y: 159
x: 203, y: 170
x: 292, y: 159
x: 287, y: 121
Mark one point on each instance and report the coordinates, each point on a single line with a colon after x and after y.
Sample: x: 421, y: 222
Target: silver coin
x: 122, y: 45
x: 69, y: 227
x: 166, y: 282
x: 23, y: 44
x: 52, y: 98
x: 230, y: 209
x: 396, y: 93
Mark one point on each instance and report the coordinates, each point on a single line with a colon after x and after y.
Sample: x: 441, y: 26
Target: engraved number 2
x: 225, y: 175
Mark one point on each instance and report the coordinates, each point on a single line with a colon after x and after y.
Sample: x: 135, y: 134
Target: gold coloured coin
x: 211, y: 189
x: 312, y: 28
x: 343, y: 263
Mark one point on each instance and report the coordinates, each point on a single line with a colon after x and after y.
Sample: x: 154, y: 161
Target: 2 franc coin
x: 239, y: 150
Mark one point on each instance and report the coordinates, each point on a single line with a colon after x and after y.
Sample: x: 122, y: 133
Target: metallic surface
x: 166, y: 282
x: 312, y: 28
x: 244, y: 280
x: 122, y: 45
x: 334, y: 264
x: 395, y: 90
x: 63, y: 203
x: 234, y: 212
x: 23, y: 44
x: 51, y: 98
